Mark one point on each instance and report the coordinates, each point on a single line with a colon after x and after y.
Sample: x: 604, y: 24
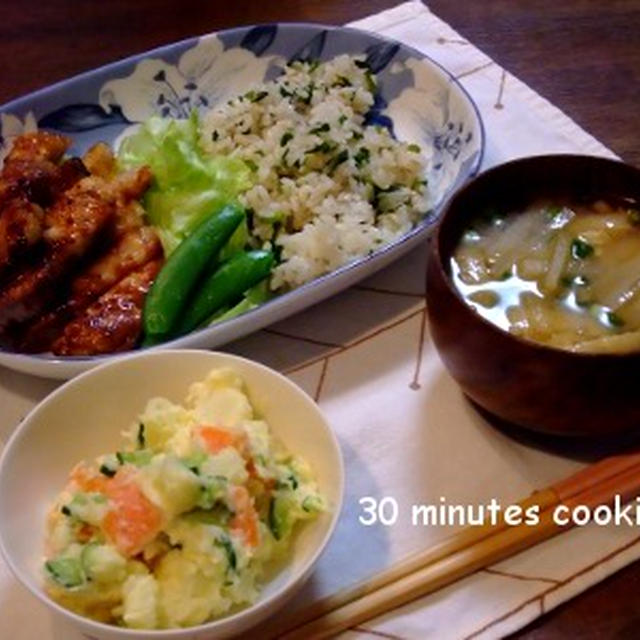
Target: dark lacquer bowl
x: 528, y: 384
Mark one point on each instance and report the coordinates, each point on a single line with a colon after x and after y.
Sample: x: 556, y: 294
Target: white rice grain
x: 327, y: 189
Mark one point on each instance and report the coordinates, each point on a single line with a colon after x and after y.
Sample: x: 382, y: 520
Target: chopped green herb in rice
x: 337, y: 188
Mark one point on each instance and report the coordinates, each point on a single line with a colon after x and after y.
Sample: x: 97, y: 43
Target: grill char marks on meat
x: 31, y: 167
x: 112, y: 323
x: 21, y: 225
x: 72, y: 225
x: 76, y: 257
x: 132, y: 251
x: 130, y: 246
x: 30, y: 180
x: 39, y: 145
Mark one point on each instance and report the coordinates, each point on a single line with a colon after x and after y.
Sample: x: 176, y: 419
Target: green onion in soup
x: 563, y: 274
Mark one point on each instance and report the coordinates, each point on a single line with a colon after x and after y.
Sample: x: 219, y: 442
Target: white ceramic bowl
x: 83, y: 419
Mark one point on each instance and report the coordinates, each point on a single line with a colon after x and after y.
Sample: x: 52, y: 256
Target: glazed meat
x: 72, y: 226
x: 131, y: 252
x: 30, y: 180
x: 76, y: 257
x: 65, y: 176
x: 31, y: 168
x: 22, y: 220
x: 20, y: 229
x: 114, y: 322
x: 124, y: 189
x: 39, y: 145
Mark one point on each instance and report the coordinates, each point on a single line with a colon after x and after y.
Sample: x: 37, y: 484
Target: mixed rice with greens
x: 326, y: 188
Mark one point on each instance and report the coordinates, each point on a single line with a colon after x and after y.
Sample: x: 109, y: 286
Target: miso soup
x: 563, y: 274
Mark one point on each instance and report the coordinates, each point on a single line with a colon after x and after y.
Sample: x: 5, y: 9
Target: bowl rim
x: 259, y: 606
x: 446, y: 275
x: 424, y: 226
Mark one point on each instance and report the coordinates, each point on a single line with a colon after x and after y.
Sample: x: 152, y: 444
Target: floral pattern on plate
x: 417, y: 100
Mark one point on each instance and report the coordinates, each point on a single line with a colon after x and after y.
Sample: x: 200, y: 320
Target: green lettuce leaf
x: 188, y: 185
x: 253, y: 298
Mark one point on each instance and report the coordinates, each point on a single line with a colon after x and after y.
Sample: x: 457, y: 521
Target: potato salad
x: 181, y: 524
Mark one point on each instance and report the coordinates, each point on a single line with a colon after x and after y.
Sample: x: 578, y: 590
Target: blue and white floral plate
x: 419, y: 100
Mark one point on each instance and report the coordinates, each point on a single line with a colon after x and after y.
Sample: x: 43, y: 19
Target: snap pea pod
x: 175, y: 282
x: 225, y: 286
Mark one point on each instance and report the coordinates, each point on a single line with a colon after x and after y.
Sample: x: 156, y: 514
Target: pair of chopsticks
x: 466, y: 552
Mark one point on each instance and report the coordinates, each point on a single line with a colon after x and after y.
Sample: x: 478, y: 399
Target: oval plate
x: 417, y: 99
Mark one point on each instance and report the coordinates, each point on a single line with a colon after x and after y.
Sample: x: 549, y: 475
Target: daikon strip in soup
x: 559, y: 273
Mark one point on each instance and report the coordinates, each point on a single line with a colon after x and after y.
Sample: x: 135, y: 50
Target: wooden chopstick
x: 595, y: 474
x: 466, y: 551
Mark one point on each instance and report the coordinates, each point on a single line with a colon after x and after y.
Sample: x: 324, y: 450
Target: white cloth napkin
x: 406, y: 431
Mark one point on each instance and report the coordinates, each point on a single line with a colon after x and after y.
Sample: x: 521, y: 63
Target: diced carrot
x: 88, y: 480
x: 216, y: 439
x: 269, y: 483
x: 85, y: 532
x: 133, y: 520
x: 245, y: 520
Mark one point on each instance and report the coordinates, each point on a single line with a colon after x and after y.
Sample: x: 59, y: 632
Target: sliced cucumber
x: 212, y: 491
x: 194, y: 461
x: 224, y: 542
x: 137, y: 458
x: 290, y: 482
x: 67, y: 572
x: 88, y: 507
x: 219, y: 515
x: 279, y: 520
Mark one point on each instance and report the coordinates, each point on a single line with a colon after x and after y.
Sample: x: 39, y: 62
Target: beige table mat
x: 405, y: 429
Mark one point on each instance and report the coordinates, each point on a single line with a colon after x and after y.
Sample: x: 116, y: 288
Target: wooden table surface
x: 583, y: 55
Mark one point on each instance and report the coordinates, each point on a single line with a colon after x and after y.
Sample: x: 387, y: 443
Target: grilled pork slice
x: 124, y: 190
x: 20, y: 229
x: 72, y: 226
x: 112, y: 323
x: 22, y: 218
x: 130, y: 252
x: 67, y: 174
x: 39, y: 145
x: 31, y: 167
x: 31, y: 179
